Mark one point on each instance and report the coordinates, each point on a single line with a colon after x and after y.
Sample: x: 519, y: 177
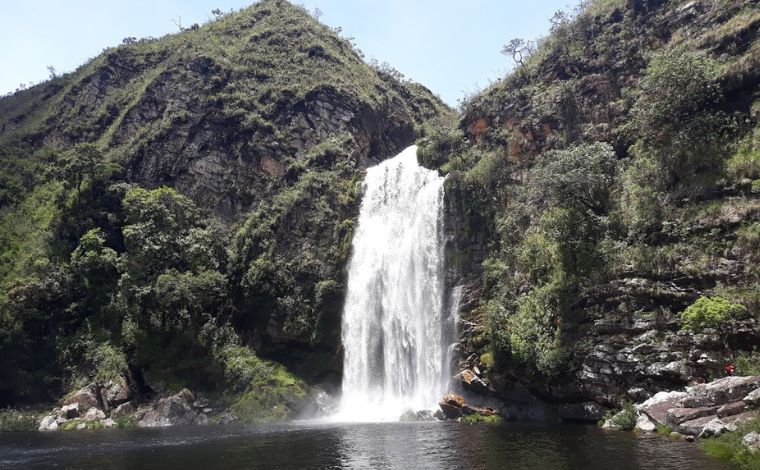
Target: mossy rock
x: 482, y: 419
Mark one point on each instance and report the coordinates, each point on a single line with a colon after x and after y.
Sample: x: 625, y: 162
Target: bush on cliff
x: 710, y: 312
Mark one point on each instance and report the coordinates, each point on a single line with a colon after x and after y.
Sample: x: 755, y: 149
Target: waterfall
x: 394, y: 326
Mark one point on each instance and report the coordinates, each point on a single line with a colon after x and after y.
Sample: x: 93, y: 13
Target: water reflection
x: 388, y: 445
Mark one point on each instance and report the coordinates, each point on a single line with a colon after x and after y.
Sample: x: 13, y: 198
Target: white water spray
x: 394, y: 327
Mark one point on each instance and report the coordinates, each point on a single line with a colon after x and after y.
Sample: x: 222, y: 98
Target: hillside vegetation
x: 176, y: 204
x: 605, y: 202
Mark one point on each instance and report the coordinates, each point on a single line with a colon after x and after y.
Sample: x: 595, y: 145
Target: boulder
x: 643, y: 423
x: 731, y: 409
x: 451, y: 406
x: 175, y: 410
x: 94, y: 414
x: 48, y: 423
x: 425, y: 415
x: 115, y: 393
x: 730, y: 389
x: 125, y: 409
x: 656, y: 408
x: 70, y: 411
x: 87, y: 397
x: 109, y: 423
x: 751, y: 442
x: 677, y: 416
x: 408, y: 415
x: 714, y: 428
x: 753, y: 398
x: 695, y: 426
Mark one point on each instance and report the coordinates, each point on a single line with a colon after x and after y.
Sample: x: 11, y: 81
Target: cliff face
x: 223, y: 112
x: 599, y: 193
x: 262, y: 123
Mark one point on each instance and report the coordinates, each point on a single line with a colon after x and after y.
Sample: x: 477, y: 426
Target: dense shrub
x: 709, y: 312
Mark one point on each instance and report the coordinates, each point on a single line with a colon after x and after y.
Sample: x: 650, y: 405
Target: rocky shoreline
x: 705, y: 410
x: 112, y: 404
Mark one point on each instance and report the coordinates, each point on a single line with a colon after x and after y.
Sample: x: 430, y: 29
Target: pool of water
x: 387, y: 445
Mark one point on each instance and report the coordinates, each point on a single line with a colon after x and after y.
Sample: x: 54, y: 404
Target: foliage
x: 748, y: 364
x: 12, y: 420
x: 728, y: 446
x: 709, y: 312
x: 677, y: 120
x: 477, y: 418
x: 625, y: 419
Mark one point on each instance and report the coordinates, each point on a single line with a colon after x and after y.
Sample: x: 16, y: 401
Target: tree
x: 217, y: 12
x: 678, y: 120
x: 579, y: 177
x: 51, y: 71
x: 519, y: 49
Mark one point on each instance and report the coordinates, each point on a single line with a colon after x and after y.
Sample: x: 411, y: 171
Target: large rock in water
x: 451, y: 405
x: 175, y: 410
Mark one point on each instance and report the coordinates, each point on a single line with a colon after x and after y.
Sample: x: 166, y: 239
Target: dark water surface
x: 392, y: 445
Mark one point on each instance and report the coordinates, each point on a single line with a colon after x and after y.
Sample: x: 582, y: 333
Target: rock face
x: 704, y: 410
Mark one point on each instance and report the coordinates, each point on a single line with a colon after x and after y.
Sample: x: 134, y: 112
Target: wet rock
x: 425, y: 415
x: 439, y: 415
x: 70, y: 411
x: 48, y: 423
x: 643, y: 423
x: 201, y: 419
x: 408, y: 415
x: 451, y: 406
x: 125, y: 409
x: 87, y: 397
x: 227, y: 418
x: 751, y: 442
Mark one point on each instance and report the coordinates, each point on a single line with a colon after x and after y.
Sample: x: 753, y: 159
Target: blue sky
x: 450, y: 46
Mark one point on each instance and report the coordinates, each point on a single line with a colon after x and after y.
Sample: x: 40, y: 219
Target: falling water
x: 394, y: 326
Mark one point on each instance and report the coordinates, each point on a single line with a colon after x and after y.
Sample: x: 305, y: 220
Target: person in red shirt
x: 729, y: 368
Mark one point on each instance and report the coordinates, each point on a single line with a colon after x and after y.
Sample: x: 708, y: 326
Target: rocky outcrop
x: 454, y: 406
x: 174, y: 410
x: 178, y: 409
x: 703, y: 410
